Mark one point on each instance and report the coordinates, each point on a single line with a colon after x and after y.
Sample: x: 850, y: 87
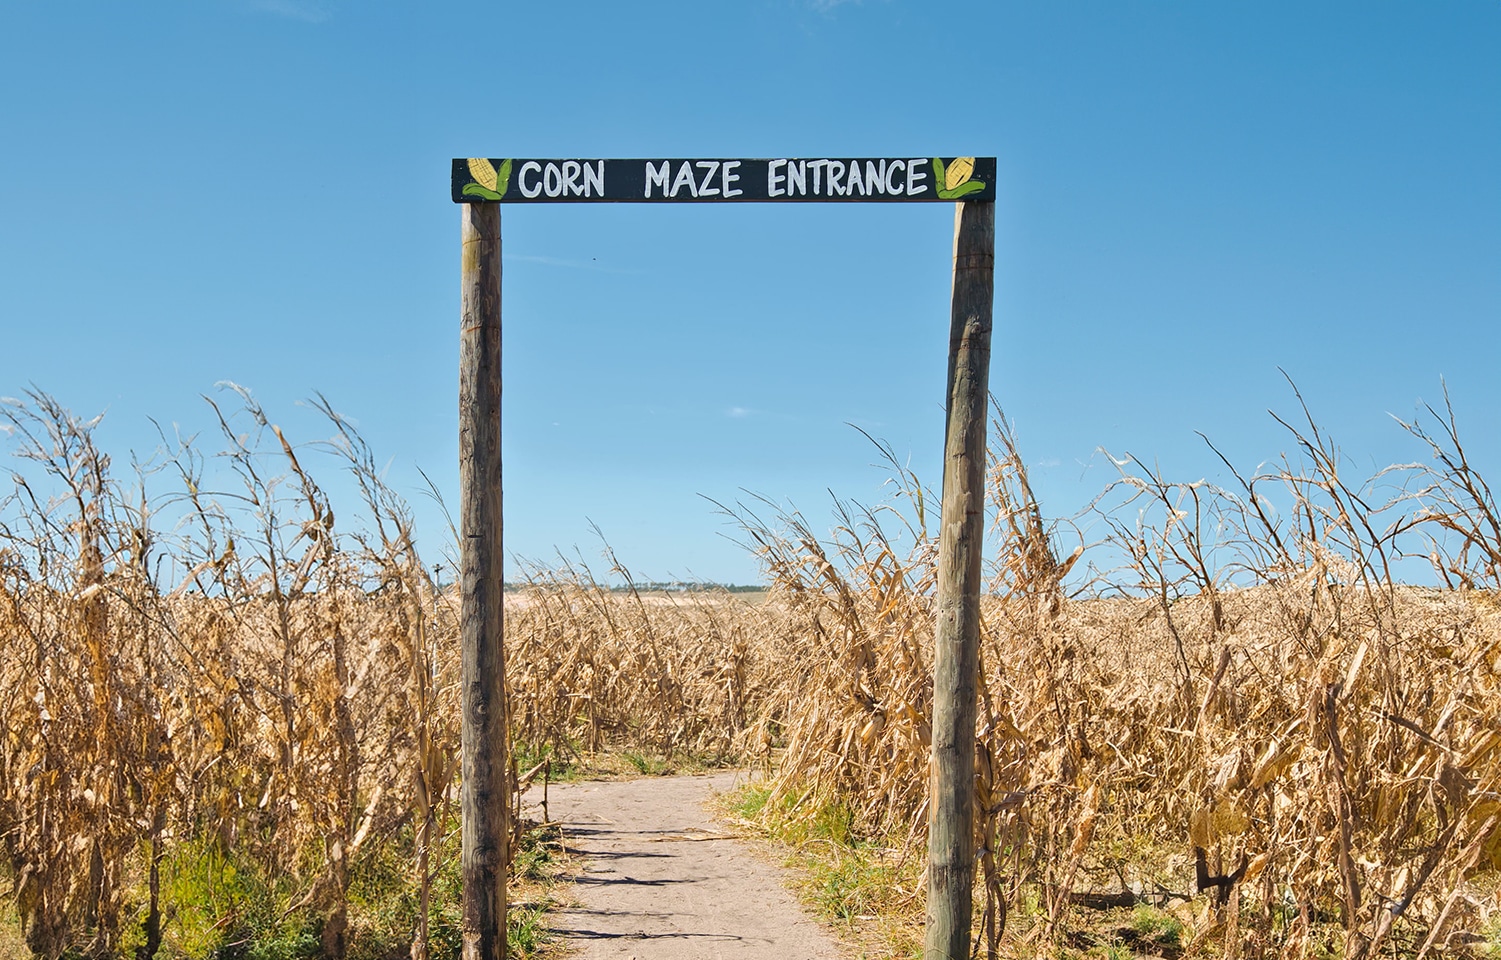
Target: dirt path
x: 658, y: 879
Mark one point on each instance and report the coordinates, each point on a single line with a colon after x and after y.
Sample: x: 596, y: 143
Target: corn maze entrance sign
x: 513, y: 180
x: 480, y: 185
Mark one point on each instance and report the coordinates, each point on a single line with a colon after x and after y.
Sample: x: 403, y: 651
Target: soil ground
x: 657, y: 879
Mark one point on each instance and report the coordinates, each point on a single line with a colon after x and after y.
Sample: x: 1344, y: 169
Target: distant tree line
x: 668, y: 586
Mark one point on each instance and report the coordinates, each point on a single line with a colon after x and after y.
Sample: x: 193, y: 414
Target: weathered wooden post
x: 956, y: 661
x: 483, y: 802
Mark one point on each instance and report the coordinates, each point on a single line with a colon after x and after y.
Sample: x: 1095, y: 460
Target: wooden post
x: 956, y: 660
x: 484, y: 805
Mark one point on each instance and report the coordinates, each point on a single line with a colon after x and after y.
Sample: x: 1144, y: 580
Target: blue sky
x: 1191, y: 195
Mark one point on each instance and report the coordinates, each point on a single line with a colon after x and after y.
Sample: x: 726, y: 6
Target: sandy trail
x: 658, y: 879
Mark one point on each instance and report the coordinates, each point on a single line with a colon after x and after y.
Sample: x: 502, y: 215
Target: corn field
x: 1223, y: 696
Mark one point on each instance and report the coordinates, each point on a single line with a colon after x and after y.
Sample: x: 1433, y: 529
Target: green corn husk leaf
x: 476, y: 190
x: 963, y: 190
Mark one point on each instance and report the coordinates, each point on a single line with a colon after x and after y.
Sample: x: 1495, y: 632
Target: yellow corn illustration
x: 956, y: 173
x: 483, y: 172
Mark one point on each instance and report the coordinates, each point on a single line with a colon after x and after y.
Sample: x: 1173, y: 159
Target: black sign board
x: 514, y: 180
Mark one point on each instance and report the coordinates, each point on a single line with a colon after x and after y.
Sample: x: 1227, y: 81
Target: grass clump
x: 540, y: 853
x: 1157, y: 926
x: 559, y: 765
x: 644, y: 764
x: 527, y: 934
x: 225, y: 904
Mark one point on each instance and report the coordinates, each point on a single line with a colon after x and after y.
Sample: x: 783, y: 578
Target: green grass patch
x: 527, y: 933
x: 644, y: 763
x: 851, y: 885
x: 1490, y: 947
x: 541, y: 848
x: 563, y: 765
x: 792, y: 819
x: 1157, y: 926
x: 12, y: 944
x: 219, y: 903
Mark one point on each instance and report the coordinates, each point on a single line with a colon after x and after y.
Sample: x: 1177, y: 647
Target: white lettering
x: 659, y: 177
x: 552, y: 180
x: 594, y: 180
x: 531, y: 166
x: 893, y: 185
x: 710, y: 167
x: 797, y: 178
x: 875, y: 178
x: 684, y: 178
x: 916, y: 174
x: 855, y: 180
x: 835, y: 187
x: 817, y: 167
x: 571, y: 170
x: 773, y: 188
x: 727, y: 180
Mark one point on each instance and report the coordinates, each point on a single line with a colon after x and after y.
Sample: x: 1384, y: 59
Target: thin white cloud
x: 307, y: 11
x: 738, y: 412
